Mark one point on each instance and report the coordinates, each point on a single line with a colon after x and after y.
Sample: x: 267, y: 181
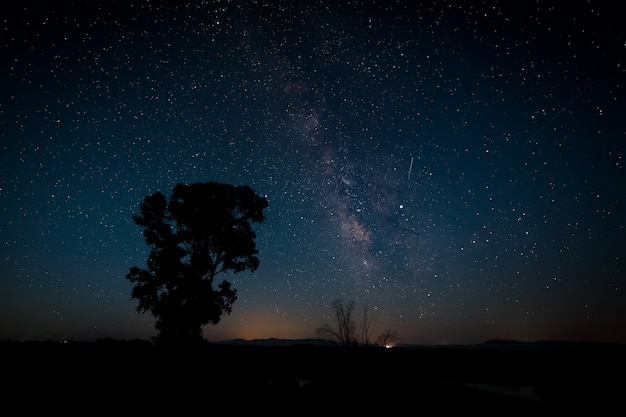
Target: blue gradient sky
x: 457, y: 167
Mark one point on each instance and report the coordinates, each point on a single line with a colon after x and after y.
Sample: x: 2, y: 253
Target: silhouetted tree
x: 368, y: 322
x: 387, y: 338
x: 203, y: 230
x: 368, y: 326
x: 345, y: 327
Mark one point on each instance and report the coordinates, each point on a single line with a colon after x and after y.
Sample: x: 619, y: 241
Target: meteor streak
x: 560, y: 111
x: 410, y: 169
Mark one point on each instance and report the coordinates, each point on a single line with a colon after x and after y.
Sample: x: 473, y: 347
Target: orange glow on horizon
x: 251, y: 327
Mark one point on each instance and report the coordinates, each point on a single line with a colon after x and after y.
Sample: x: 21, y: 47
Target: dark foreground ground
x: 132, y: 377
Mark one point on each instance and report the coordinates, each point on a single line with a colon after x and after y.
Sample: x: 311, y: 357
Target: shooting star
x: 410, y: 169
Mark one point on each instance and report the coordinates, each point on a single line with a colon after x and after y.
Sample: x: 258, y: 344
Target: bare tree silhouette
x: 344, y: 328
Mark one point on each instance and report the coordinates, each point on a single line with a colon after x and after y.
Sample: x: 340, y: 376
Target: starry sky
x: 457, y: 167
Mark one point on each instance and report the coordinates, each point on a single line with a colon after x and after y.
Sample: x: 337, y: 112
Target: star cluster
x: 456, y: 167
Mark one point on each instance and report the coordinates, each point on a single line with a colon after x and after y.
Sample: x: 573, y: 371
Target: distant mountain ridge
x: 493, y: 344
x: 545, y: 345
x: 489, y: 345
x: 277, y: 342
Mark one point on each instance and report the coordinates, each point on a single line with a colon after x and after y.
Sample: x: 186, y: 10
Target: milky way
x: 456, y: 167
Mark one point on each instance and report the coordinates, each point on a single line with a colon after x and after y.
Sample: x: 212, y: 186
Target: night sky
x: 456, y: 167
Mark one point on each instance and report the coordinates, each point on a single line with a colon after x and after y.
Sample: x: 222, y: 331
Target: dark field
x: 135, y: 377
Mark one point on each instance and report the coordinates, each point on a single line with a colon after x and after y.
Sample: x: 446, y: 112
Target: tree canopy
x: 204, y: 229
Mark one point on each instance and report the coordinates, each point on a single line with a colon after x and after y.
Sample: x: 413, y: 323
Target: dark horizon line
x: 508, y: 344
